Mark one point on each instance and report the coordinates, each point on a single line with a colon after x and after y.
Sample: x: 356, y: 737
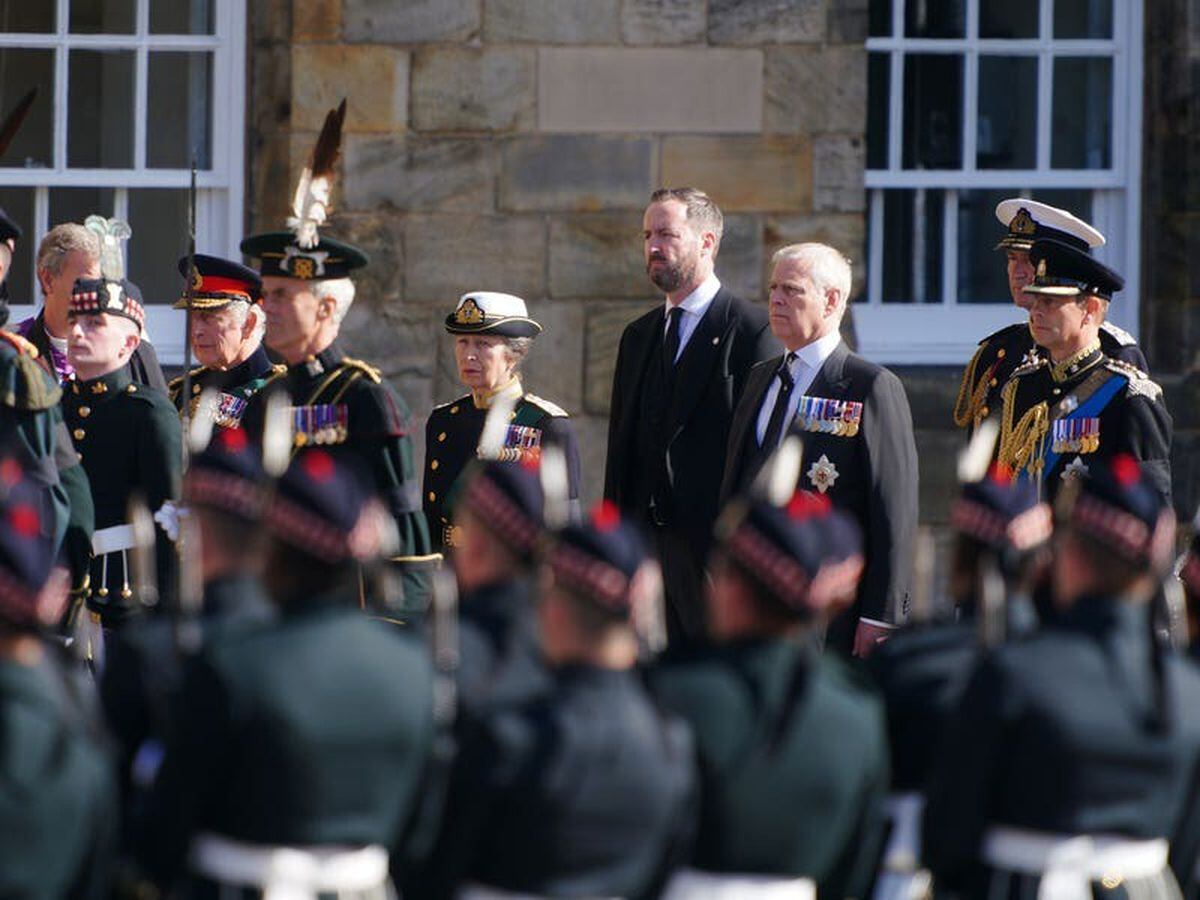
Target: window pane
x: 878, y: 106
x: 159, y: 219
x: 912, y: 246
x: 1006, y: 130
x: 76, y: 204
x: 933, y: 111
x: 880, y: 18
x: 101, y: 16
x: 982, y: 277
x: 100, y: 110
x: 1074, y: 200
x: 181, y: 17
x: 177, y: 109
x: 934, y: 18
x: 18, y: 203
x: 21, y: 70
x: 24, y: 15
x: 1083, y: 18
x: 1082, y: 113
x: 1006, y: 19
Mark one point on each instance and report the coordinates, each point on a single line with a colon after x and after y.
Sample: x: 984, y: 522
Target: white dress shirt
x: 694, y: 306
x: 804, y: 368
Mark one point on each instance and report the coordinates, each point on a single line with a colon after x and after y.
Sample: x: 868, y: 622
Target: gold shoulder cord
x: 1020, y: 443
x: 970, y: 399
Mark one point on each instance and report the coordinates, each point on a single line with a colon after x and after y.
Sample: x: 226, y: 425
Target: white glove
x: 168, y: 517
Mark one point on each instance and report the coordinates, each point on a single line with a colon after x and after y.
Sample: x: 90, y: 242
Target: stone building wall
x: 511, y: 145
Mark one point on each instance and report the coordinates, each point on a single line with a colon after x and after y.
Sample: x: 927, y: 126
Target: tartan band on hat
x: 601, y: 560
x: 216, y: 282
x: 507, y: 497
x: 1002, y: 512
x: 228, y: 476
x: 1114, y: 506
x: 92, y: 296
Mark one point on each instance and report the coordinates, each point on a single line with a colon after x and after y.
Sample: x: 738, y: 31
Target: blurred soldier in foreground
x: 341, y: 403
x: 58, y: 821
x: 1070, y: 759
x: 498, y: 517
x: 67, y: 253
x: 296, y: 755
x: 1000, y: 354
x: 583, y: 792
x: 227, y: 331
x: 1001, y: 534
x: 492, y: 335
x: 1075, y: 407
x: 791, y: 745
x: 223, y: 489
x: 126, y: 433
x: 856, y: 427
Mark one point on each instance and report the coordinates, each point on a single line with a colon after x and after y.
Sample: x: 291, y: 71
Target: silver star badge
x: 823, y: 474
x: 1076, y: 468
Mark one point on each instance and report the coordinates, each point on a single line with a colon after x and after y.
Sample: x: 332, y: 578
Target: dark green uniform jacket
x: 1066, y: 732
x: 1132, y: 420
x: 452, y: 434
x: 311, y: 730
x: 344, y: 405
x: 128, y: 437
x: 1001, y: 352
x: 58, y: 806
x: 582, y: 793
x: 793, y: 762
x: 237, y: 388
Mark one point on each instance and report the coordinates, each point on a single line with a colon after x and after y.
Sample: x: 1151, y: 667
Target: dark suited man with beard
x: 680, y: 371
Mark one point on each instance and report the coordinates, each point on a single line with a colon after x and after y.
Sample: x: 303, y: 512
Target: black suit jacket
x: 877, y: 468
x: 730, y: 338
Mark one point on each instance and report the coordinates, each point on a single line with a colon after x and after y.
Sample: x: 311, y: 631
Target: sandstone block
x: 597, y: 255
x: 323, y: 73
x: 449, y: 174
x: 575, y: 172
x: 766, y: 21
x: 815, y: 90
x: 605, y: 323
x: 380, y: 285
x: 740, y: 257
x: 410, y: 21
x: 845, y: 231
x: 271, y: 21
x: 838, y: 165
x: 849, y: 21
x: 271, y: 88
x: 663, y: 21
x: 743, y: 174
x: 552, y: 21
x: 448, y: 255
x: 317, y: 21
x: 554, y: 367
x: 609, y: 89
x: 460, y: 89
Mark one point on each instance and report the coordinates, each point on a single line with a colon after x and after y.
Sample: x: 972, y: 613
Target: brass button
x: 85, y: 411
x: 1058, y: 391
x: 433, y: 464
x: 454, y: 410
x: 1000, y: 353
x: 131, y: 389
x: 79, y: 434
x: 432, y: 496
x: 441, y: 437
x: 196, y: 389
x: 993, y: 383
x: 984, y: 412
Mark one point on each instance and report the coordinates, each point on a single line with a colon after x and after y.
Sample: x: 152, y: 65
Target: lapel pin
x: 716, y: 341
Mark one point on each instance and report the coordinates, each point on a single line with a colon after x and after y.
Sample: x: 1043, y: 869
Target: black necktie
x: 671, y: 341
x: 779, y: 411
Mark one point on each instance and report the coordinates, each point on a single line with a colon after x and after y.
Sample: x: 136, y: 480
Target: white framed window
x: 129, y: 93
x: 971, y: 101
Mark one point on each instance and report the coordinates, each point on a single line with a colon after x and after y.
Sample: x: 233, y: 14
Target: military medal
x: 823, y: 474
x: 826, y: 416
x: 521, y: 442
x: 324, y: 423
x: 1075, y: 435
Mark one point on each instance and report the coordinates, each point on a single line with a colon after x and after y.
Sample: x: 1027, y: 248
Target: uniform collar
x: 253, y: 366
x: 485, y: 399
x: 321, y: 363
x: 104, y: 387
x: 814, y: 355
x: 1076, y: 364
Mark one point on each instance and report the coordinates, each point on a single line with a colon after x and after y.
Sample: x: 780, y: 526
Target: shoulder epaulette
x: 370, y: 371
x: 1140, y: 384
x: 27, y: 384
x: 449, y: 403
x: 1119, y: 334
x: 176, y: 383
x: 1030, y: 366
x: 546, y: 406
x: 20, y: 344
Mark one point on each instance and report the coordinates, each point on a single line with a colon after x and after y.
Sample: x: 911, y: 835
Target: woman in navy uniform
x: 791, y: 744
x: 492, y: 334
x: 1069, y: 762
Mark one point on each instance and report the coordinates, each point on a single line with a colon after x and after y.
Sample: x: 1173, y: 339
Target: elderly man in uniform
x: 298, y: 747
x: 1071, y: 757
x: 999, y: 354
x: 57, y: 819
x: 854, y: 421
x: 1064, y: 411
x: 68, y: 252
x: 584, y: 791
x: 227, y: 331
x: 792, y: 749
x: 127, y: 434
x: 680, y: 371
